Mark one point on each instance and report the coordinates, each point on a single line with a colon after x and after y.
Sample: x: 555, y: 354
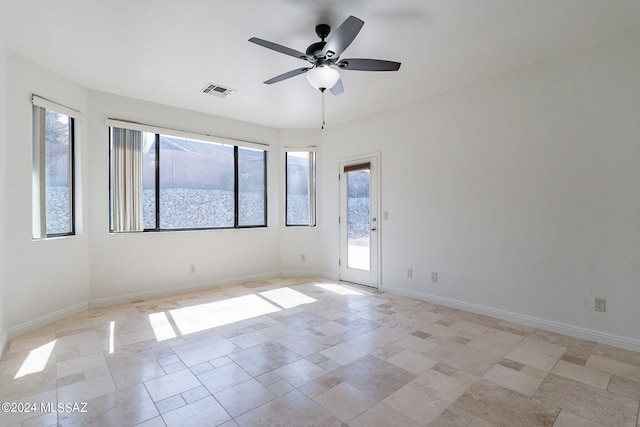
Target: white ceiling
x: 166, y: 51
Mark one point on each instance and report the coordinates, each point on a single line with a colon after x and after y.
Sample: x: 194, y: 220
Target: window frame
x: 312, y: 185
x: 237, y: 190
x: 40, y: 106
x: 159, y: 132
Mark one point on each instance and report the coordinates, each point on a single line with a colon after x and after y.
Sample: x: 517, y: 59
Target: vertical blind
x: 127, y: 179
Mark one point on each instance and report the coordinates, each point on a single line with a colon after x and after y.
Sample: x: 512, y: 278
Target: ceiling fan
x: 324, y: 57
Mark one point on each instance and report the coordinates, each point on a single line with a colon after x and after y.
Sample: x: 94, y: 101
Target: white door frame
x: 375, y: 272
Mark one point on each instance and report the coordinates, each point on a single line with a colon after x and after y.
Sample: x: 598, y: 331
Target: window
x: 161, y: 182
x: 300, y: 165
x: 252, y: 183
x: 53, y: 169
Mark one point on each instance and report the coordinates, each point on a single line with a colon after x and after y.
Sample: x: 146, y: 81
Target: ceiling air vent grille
x: 217, y: 90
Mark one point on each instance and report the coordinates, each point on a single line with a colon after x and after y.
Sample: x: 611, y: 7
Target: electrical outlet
x: 303, y: 257
x: 601, y: 304
x: 409, y: 272
x: 434, y: 277
x: 192, y: 268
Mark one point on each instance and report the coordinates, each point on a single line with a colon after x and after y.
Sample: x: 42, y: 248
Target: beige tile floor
x: 306, y: 352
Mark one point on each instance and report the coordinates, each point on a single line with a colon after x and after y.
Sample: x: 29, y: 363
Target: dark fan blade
x: 280, y: 48
x: 337, y: 88
x: 287, y: 75
x: 368, y: 65
x: 342, y: 37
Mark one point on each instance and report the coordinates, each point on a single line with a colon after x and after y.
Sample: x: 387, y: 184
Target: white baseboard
x: 330, y: 276
x: 292, y: 273
x: 4, y: 337
x: 101, y: 302
x: 549, y: 325
x: 46, y: 319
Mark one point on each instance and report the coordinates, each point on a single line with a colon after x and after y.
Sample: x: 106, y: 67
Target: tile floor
x: 306, y: 352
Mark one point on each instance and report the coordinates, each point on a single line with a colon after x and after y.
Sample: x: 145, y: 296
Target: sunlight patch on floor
x: 287, y: 297
x: 338, y: 289
x: 112, y: 336
x: 36, y: 360
x: 161, y: 326
x: 210, y: 315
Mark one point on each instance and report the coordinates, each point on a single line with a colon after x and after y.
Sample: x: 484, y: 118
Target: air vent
x: 217, y: 90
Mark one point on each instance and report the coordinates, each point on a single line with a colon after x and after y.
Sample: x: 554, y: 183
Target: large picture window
x: 300, y: 181
x: 53, y: 169
x: 161, y: 182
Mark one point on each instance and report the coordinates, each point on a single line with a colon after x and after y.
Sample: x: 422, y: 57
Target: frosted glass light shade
x: 323, y: 77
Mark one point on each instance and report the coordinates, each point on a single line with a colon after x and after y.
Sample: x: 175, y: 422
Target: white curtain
x: 126, y: 157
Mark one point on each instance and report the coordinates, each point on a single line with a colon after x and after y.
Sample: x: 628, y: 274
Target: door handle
x: 374, y: 229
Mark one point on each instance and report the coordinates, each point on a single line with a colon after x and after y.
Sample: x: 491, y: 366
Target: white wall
x: 139, y: 263
x: 298, y: 241
x: 521, y: 191
x: 3, y: 225
x: 48, y: 277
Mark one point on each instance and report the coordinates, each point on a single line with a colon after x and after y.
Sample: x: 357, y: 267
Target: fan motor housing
x: 315, y: 49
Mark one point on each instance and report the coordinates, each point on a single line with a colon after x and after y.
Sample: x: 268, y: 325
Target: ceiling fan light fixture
x: 323, y: 76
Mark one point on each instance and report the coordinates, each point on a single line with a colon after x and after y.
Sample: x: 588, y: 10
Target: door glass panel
x: 358, y: 220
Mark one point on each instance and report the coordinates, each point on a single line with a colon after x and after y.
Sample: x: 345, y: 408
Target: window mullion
x: 265, y: 189
x: 286, y: 188
x: 236, y: 188
x: 157, y: 181
x: 72, y: 177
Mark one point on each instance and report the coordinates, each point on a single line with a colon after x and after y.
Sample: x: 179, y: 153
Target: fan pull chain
x: 323, y: 114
